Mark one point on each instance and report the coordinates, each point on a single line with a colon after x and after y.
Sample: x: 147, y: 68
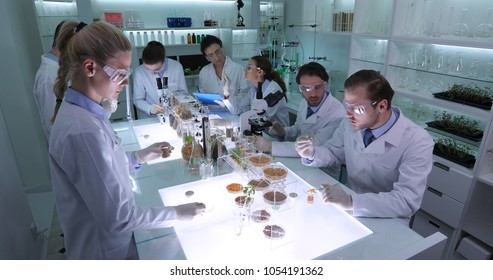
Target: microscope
x: 255, y: 121
x: 163, y: 94
x: 240, y: 18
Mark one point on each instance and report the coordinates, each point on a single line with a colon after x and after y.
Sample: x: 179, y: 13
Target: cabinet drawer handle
x: 434, y: 224
x: 441, y: 165
x: 435, y: 191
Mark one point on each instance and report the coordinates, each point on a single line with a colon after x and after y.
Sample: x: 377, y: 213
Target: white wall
x: 23, y: 148
x: 20, y: 51
x: 335, y: 48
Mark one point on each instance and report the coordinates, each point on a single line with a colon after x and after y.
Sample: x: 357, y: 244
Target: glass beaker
x: 461, y: 29
x: 206, y: 169
x: 195, y: 158
x: 485, y: 30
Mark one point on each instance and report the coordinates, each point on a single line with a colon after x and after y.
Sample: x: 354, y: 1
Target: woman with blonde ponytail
x: 89, y: 169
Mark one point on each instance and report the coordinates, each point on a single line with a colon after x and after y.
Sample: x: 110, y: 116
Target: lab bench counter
x: 388, y: 238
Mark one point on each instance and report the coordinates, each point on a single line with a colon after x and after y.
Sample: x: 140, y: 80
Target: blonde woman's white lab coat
x: 321, y: 125
x: 242, y: 103
x: 389, y: 176
x: 92, y: 187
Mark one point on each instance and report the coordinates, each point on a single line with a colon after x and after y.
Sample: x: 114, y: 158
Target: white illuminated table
x: 374, y: 238
x: 310, y: 229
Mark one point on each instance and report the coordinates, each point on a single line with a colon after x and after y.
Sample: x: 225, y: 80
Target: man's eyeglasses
x: 309, y: 88
x: 215, y: 54
x: 358, y: 109
x: 251, y: 68
x: 116, y: 75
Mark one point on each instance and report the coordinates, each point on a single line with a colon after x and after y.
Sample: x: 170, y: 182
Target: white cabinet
x: 438, y: 57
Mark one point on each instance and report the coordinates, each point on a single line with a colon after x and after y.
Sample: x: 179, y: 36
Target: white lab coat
x: 145, y: 86
x: 44, y: 96
x: 92, y: 187
x: 209, y: 82
x: 389, y: 176
x: 279, y: 112
x: 321, y: 125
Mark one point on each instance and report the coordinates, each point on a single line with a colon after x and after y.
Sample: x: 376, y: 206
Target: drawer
x: 425, y: 225
x: 472, y: 249
x: 442, y: 207
x: 450, y: 181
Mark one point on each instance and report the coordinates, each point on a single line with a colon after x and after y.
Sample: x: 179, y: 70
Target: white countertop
x: 390, y: 238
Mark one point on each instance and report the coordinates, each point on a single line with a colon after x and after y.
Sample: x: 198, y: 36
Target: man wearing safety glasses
x: 388, y: 157
x: 319, y: 115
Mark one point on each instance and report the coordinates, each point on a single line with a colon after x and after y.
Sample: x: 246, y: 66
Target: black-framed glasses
x: 219, y: 52
x: 310, y: 88
x: 358, y: 109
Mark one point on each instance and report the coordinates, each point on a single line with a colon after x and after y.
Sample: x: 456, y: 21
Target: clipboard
x: 207, y: 98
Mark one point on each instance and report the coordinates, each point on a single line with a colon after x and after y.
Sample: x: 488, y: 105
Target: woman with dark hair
x: 155, y: 65
x: 259, y: 69
x: 222, y: 75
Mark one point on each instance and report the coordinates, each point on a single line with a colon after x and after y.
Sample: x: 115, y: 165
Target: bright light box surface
x: 311, y: 229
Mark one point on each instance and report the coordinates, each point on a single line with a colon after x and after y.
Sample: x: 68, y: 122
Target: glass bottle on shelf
x: 173, y: 39
x: 410, y: 18
x: 450, y: 21
x: 440, y: 63
x: 146, y: 38
x: 489, y: 71
x: 189, y: 38
x: 473, y: 69
x: 425, y: 58
x: 435, y: 25
x: 131, y: 38
x: 461, y: 29
x: 485, y: 30
x: 165, y: 38
x: 421, y: 29
x: 139, y: 39
x: 458, y: 66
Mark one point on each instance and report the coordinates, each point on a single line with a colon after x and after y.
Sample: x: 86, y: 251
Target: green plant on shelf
x: 460, y: 124
x: 450, y: 148
x: 474, y: 94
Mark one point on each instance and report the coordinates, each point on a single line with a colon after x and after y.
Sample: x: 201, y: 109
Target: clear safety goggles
x: 358, y: 109
x: 251, y: 68
x: 310, y: 88
x: 117, y: 75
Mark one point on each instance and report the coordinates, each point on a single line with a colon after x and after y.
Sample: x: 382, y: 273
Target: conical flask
x: 195, y: 157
